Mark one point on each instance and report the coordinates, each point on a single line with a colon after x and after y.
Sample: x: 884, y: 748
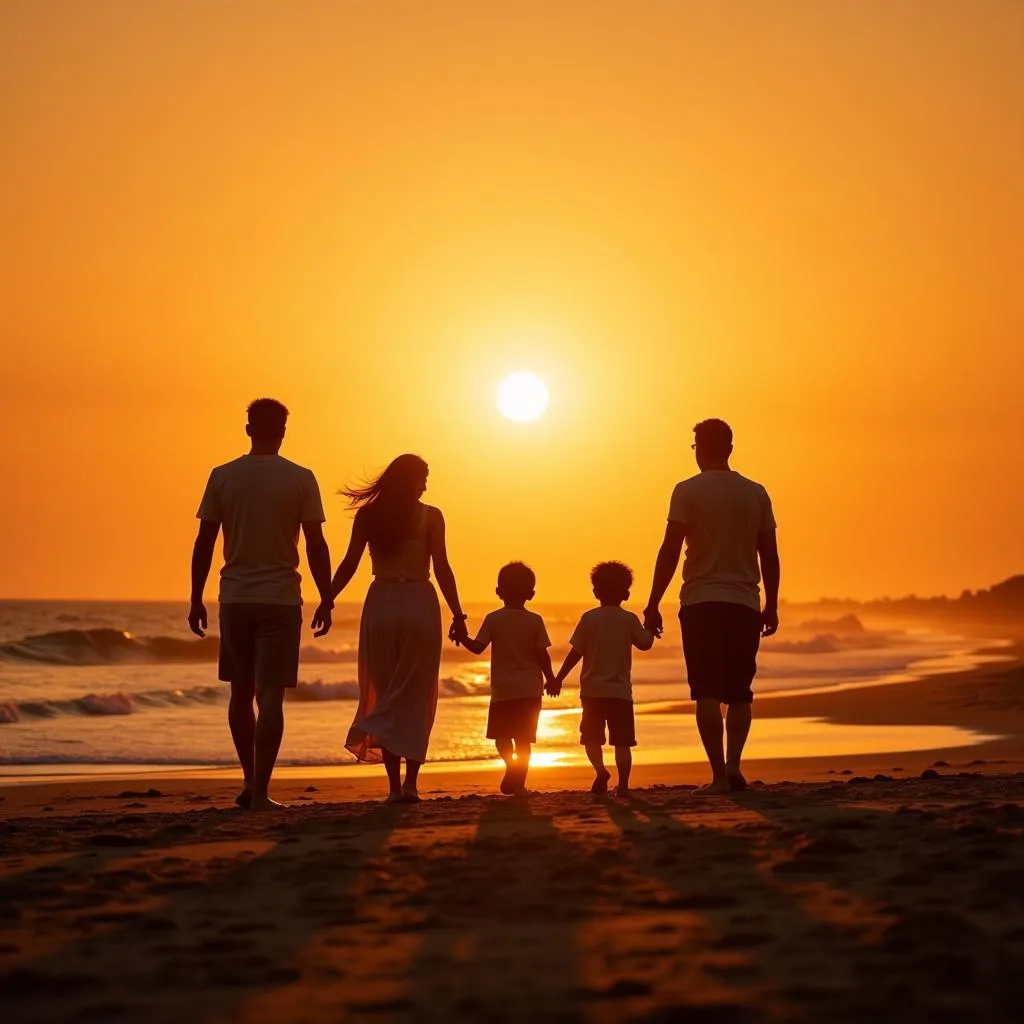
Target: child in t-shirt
x: 520, y: 665
x: 604, y: 639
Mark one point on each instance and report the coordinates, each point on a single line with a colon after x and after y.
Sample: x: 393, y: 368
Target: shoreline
x: 811, y: 705
x: 987, y: 700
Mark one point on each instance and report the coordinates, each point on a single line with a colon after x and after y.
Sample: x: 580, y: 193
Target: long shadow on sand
x: 936, y: 864
x: 506, y: 911
x: 211, y: 914
x: 809, y: 895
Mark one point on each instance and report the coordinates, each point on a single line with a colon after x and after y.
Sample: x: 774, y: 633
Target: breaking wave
x: 121, y: 703
x: 118, y: 647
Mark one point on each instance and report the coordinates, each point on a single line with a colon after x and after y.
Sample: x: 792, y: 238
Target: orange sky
x: 805, y: 218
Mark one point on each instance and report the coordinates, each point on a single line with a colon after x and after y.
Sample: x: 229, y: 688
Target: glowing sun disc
x: 522, y: 397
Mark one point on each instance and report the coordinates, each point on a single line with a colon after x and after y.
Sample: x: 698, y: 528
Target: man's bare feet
x: 508, y: 786
x: 244, y: 799
x: 737, y: 783
x: 410, y: 796
x: 715, y: 786
x: 600, y: 784
x: 622, y: 791
x: 394, y: 797
x: 264, y: 803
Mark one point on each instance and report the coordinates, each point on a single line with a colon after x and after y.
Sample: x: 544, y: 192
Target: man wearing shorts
x: 728, y: 525
x: 261, y: 500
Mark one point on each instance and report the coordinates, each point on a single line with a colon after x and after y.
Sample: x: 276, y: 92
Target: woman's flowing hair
x: 385, y: 505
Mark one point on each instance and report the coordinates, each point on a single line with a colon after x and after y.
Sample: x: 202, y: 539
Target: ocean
x: 125, y: 683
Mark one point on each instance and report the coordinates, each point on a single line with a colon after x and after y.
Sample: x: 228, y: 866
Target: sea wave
x: 121, y: 703
x: 53, y: 758
x: 116, y: 703
x: 79, y: 647
x: 824, y: 643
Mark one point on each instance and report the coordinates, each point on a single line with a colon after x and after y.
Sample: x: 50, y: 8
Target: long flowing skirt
x: 399, y: 662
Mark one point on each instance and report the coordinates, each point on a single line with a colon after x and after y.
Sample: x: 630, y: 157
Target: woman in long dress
x: 400, y: 629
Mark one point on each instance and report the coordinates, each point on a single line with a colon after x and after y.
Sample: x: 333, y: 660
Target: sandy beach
x: 833, y: 889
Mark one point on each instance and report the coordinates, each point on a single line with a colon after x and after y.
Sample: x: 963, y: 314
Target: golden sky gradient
x: 806, y: 218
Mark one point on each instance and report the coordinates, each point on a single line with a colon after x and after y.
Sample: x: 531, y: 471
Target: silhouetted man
x: 727, y: 523
x: 260, y: 499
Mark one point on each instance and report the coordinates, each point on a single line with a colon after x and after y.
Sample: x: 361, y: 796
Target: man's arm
x: 202, y: 559
x: 664, y: 570
x: 768, y: 551
x: 318, y: 556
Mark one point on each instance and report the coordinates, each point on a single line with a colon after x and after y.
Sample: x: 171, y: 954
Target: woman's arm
x: 354, y: 555
x: 444, y: 575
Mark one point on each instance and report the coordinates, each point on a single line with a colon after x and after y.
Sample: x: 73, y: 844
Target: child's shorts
x: 514, y: 719
x: 617, y: 712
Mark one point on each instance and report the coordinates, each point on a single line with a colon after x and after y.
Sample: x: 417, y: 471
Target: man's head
x: 712, y: 444
x: 266, y: 422
x: 516, y: 583
x: 611, y: 582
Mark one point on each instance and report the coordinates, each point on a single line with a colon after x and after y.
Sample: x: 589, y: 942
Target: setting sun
x: 522, y: 397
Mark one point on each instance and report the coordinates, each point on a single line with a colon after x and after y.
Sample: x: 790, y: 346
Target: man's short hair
x: 611, y: 578
x: 267, y: 418
x: 714, y: 437
x: 516, y: 581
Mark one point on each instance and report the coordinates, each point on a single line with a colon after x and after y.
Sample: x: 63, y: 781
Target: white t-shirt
x: 723, y: 513
x: 606, y: 637
x: 261, y: 500
x: 516, y: 637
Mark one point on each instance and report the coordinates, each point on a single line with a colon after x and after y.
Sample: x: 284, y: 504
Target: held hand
x: 322, y: 619
x: 197, y: 618
x: 653, y: 622
x: 458, y: 631
x: 553, y: 687
x: 769, y: 621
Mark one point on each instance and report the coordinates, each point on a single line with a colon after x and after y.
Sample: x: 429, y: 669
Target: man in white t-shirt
x: 261, y: 500
x: 728, y: 525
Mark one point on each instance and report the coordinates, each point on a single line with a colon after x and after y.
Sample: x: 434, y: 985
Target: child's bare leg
x: 506, y: 750
x: 595, y: 752
x: 624, y: 764
x: 523, y: 751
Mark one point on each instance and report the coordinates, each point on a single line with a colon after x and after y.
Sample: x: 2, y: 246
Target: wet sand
x: 857, y: 889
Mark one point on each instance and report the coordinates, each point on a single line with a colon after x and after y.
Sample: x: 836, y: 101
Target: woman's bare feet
x: 244, y: 799
x: 622, y: 791
x: 394, y: 797
x: 600, y: 784
x: 410, y: 796
x: 264, y: 803
x: 737, y: 783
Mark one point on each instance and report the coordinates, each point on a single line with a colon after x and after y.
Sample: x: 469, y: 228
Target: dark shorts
x: 720, y: 642
x: 514, y: 719
x: 259, y: 644
x: 616, y: 712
